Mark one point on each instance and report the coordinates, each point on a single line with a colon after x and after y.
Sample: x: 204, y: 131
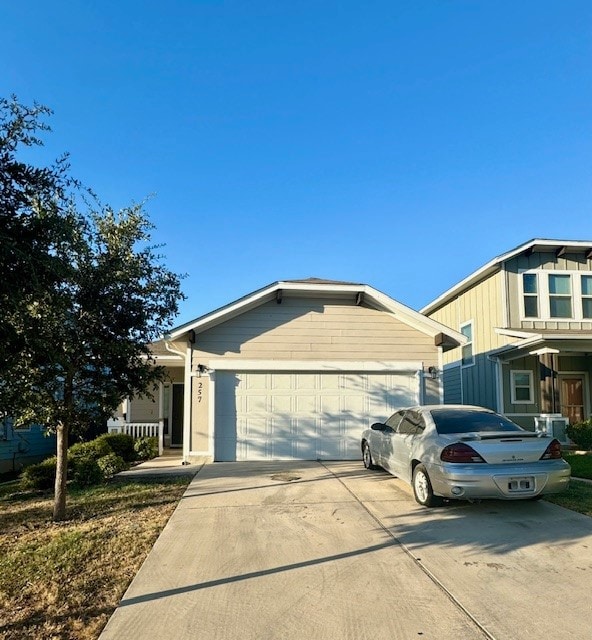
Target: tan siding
x: 143, y: 410
x: 483, y: 304
x: 301, y: 329
x: 146, y: 409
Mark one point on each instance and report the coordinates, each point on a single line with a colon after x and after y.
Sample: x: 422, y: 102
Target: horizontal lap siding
x: 300, y: 329
x: 25, y: 446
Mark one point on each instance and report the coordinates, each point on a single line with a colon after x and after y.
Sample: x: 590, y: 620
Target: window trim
x: 584, y: 296
x: 471, y: 344
x: 513, y: 374
x: 544, y: 296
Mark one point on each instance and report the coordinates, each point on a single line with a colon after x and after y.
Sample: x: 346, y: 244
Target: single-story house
x: 295, y: 370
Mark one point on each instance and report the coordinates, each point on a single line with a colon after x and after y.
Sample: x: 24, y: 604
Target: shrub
x: 119, y: 443
x: 40, y: 477
x: 94, y: 449
x: 581, y: 433
x: 112, y: 464
x: 146, y: 448
x: 86, y: 472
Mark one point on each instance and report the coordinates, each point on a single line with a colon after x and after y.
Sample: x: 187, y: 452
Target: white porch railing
x: 139, y: 430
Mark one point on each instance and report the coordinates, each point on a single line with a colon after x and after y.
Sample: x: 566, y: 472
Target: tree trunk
x: 59, y: 505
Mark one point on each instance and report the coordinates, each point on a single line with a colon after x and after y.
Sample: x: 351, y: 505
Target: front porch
x: 548, y: 377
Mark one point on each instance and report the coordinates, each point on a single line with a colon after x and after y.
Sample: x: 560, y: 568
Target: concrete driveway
x: 309, y: 550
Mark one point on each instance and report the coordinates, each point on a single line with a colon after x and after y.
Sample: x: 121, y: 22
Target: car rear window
x: 467, y: 421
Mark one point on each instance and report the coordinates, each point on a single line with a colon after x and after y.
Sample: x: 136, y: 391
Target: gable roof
x: 536, y: 244
x: 444, y: 336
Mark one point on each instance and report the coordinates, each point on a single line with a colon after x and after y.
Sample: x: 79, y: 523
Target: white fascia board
x: 256, y: 299
x: 225, y: 313
x: 494, y: 265
x: 230, y: 364
x: 513, y: 333
x: 373, y: 296
x: 413, y: 318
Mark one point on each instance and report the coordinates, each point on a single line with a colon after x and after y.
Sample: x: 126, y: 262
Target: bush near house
x: 146, y: 448
x: 581, y: 433
x: 40, y: 477
x: 90, y: 463
x: 121, y: 444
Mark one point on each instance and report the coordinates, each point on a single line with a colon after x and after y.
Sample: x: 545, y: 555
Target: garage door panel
x: 306, y: 381
x: 266, y: 415
x: 281, y: 403
x: 306, y: 404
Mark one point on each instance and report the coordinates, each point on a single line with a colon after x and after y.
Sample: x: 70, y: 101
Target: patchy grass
x: 581, y: 465
x: 64, y: 580
x: 577, y: 498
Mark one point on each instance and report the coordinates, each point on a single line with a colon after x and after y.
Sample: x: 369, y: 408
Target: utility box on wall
x: 554, y: 425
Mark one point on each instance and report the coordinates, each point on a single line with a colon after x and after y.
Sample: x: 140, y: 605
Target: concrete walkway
x: 169, y: 464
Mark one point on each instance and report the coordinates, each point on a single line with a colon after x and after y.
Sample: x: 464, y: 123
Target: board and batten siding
x: 308, y: 329
x: 544, y: 261
x: 482, y: 305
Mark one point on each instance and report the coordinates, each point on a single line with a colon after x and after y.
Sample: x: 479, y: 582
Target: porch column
x: 548, y: 379
x: 160, y: 418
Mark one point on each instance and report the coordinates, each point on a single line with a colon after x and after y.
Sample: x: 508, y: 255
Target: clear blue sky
x: 402, y: 144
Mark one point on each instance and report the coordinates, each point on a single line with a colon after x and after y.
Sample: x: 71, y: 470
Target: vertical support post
x: 160, y: 418
x: 548, y: 383
x: 187, y: 403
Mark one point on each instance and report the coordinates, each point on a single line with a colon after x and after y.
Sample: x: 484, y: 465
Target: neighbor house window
x: 587, y: 296
x: 531, y: 295
x: 522, y: 387
x: 560, y: 296
x: 556, y: 295
x: 467, y: 350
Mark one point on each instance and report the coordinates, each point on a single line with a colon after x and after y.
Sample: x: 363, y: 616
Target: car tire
x: 422, y: 488
x: 367, y: 457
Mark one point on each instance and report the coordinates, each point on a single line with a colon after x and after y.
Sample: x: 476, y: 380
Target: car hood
x: 503, y: 447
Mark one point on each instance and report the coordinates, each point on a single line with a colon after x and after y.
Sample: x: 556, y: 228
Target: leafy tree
x: 35, y: 231
x: 95, y: 295
x: 118, y: 297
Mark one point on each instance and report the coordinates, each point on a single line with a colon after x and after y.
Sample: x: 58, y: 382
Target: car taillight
x: 460, y: 452
x: 553, y: 451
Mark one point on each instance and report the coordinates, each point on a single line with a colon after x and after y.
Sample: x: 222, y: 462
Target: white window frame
x: 530, y: 375
x: 584, y: 296
x: 471, y: 344
x: 544, y: 295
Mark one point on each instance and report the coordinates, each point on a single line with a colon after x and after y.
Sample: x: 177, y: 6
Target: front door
x: 177, y: 415
x: 572, y: 397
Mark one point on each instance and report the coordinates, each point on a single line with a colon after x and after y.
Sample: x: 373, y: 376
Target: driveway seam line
x: 416, y: 560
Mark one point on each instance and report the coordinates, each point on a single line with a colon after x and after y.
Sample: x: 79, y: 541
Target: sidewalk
x: 169, y: 464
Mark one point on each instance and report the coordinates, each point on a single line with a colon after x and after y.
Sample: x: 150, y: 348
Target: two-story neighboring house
x: 527, y: 315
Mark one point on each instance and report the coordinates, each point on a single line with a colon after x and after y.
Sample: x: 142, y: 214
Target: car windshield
x: 469, y: 421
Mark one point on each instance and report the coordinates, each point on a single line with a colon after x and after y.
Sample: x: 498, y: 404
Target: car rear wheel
x: 422, y: 488
x: 367, y: 457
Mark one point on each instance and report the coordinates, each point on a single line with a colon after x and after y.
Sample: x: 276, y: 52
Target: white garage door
x: 303, y: 416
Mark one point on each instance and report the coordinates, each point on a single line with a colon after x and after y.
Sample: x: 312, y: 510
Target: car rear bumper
x: 476, y: 481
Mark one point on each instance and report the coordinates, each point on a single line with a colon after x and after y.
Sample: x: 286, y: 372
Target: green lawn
x: 577, y: 498
x: 579, y: 495
x: 64, y: 580
x: 581, y: 465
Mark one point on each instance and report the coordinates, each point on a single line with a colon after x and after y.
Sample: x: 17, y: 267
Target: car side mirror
x: 378, y: 426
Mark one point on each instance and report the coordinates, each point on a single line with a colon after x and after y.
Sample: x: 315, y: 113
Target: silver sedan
x: 465, y: 452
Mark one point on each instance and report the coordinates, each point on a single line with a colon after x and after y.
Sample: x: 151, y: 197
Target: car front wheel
x: 422, y: 488
x: 367, y: 457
